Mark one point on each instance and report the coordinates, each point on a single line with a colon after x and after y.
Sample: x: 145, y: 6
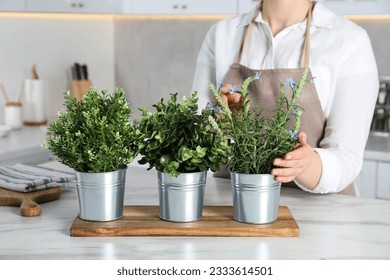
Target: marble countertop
x: 24, y: 145
x: 331, y: 226
x: 377, y: 148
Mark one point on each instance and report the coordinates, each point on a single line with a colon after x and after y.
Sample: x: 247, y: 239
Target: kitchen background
x: 147, y: 47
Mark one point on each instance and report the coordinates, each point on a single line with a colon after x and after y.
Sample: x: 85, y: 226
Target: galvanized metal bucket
x: 255, y: 198
x: 101, y: 195
x: 181, y: 198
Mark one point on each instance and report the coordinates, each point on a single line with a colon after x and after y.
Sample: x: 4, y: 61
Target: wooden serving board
x: 28, y: 201
x: 216, y: 221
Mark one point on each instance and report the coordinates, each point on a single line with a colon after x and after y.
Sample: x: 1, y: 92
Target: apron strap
x: 305, y: 57
x: 249, y: 31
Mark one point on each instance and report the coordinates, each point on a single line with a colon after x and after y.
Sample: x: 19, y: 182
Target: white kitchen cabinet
x: 344, y: 7
x: 374, y: 180
x: 358, y: 7
x: 12, y: 6
x: 246, y: 5
x: 183, y: 7
x: 383, y: 182
x: 76, y: 6
x: 366, y: 182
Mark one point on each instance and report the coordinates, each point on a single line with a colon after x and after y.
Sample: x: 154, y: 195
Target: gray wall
x: 154, y: 57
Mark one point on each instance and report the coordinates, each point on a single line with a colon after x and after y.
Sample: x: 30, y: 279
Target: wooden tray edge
x: 291, y: 231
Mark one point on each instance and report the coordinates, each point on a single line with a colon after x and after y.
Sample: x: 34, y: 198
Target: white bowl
x: 4, y: 130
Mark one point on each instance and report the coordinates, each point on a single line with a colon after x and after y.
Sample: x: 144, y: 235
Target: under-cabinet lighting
x: 171, y: 17
x: 56, y: 16
x: 153, y: 16
x: 369, y: 17
x: 110, y: 16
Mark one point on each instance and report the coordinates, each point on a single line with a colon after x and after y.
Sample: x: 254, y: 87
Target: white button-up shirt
x: 344, y: 67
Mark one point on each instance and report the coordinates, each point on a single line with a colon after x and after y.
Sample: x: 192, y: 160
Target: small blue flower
x: 293, y: 134
x: 291, y: 83
x: 233, y: 89
x: 214, y: 107
x: 257, y: 76
x: 210, y: 105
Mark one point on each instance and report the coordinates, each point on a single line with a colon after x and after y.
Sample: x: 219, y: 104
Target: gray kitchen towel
x: 28, y: 178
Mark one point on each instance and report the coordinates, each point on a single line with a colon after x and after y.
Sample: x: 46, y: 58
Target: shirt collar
x: 322, y: 17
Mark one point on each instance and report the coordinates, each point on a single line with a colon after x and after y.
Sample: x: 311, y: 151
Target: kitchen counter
x: 24, y: 146
x: 331, y: 226
x: 377, y: 148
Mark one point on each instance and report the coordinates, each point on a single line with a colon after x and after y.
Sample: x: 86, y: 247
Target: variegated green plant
x: 177, y: 139
x: 258, y: 140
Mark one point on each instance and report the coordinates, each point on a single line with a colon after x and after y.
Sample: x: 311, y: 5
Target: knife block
x: 80, y: 88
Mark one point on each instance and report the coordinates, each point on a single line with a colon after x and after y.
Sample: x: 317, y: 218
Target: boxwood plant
x: 94, y: 134
x: 176, y: 139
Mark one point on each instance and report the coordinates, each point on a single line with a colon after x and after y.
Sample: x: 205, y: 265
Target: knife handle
x: 85, y: 71
x: 78, y: 71
x: 74, y: 74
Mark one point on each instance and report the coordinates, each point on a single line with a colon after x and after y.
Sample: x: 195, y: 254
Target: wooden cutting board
x: 216, y: 221
x: 28, y: 202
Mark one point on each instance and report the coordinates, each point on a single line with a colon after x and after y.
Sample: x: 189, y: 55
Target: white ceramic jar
x: 13, y: 115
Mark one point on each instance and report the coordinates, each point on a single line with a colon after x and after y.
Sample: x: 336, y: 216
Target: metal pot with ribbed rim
x: 101, y: 195
x: 181, y: 197
x: 255, y: 198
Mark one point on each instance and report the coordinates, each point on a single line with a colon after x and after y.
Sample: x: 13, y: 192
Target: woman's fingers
x: 230, y: 99
x: 294, y: 162
x: 226, y: 88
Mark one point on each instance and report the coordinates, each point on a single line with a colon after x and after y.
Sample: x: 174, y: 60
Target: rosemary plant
x: 257, y: 140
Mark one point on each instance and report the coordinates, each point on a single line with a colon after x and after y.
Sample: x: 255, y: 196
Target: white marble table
x: 24, y: 146
x: 331, y: 227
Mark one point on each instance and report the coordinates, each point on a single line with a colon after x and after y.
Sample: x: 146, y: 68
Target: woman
x: 280, y: 38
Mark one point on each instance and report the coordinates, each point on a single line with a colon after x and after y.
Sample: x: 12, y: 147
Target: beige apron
x: 266, y: 91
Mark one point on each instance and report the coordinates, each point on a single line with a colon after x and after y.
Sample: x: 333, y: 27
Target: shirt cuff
x: 330, y: 176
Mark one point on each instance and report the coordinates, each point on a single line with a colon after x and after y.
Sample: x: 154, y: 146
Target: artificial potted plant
x: 182, y: 145
x: 257, y: 140
x: 94, y: 136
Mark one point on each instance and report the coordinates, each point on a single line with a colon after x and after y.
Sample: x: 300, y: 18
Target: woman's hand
x: 302, y: 164
x: 233, y: 100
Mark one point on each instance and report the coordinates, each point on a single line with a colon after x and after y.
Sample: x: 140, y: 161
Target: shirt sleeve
x: 348, y: 124
x: 205, y: 72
